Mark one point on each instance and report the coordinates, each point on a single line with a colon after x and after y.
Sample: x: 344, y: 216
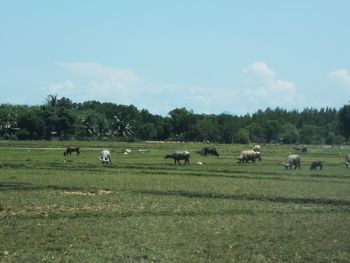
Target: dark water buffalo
x: 293, y: 160
x: 302, y: 149
x: 209, y: 150
x: 177, y: 156
x: 316, y: 164
x: 347, y: 161
x: 249, y: 155
x: 71, y: 149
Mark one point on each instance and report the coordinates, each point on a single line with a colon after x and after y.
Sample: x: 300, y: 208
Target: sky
x: 207, y: 56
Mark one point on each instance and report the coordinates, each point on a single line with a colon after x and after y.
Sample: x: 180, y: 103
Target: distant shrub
x: 23, y: 134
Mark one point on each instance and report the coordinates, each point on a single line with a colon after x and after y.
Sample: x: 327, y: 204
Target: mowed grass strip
x: 142, y: 208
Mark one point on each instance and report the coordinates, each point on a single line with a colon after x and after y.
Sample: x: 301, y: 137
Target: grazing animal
x: 293, y: 160
x: 209, y: 150
x: 302, y: 149
x: 316, y: 164
x: 249, y: 155
x: 347, y: 160
x: 256, y: 148
x: 177, y: 156
x: 105, y: 157
x: 71, y: 149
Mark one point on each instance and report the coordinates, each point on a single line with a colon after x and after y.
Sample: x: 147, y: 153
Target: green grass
x: 142, y: 208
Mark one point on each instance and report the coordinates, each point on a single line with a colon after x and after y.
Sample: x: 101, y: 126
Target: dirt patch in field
x: 99, y: 192
x: 48, y: 209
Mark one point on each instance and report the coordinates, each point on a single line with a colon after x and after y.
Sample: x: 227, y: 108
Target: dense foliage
x: 91, y: 120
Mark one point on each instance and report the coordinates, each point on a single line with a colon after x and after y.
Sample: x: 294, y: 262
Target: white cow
x: 105, y: 157
x: 256, y: 148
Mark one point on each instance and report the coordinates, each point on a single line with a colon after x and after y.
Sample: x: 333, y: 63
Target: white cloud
x: 341, y: 76
x: 123, y: 86
x: 99, y: 82
x: 259, y: 69
x: 92, y: 81
x: 98, y: 71
x: 265, y: 88
x: 65, y: 87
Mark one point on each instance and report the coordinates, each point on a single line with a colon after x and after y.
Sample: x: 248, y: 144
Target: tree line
x: 60, y: 118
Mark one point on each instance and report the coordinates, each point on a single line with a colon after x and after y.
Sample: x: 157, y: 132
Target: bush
x: 23, y: 134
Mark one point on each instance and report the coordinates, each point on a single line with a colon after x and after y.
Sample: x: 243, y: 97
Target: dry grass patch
x: 99, y: 192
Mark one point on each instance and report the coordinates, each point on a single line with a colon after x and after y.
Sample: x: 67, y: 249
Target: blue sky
x: 208, y: 56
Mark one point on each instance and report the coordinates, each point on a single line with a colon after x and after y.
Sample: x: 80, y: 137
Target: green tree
x: 147, y: 131
x: 307, y: 134
x: 91, y: 124
x: 183, y: 123
x: 228, y: 127
x: 66, y: 123
x: 124, y: 121
x: 290, y: 134
x: 256, y: 132
x: 51, y: 100
x: 50, y: 118
x: 122, y: 128
x: 8, y: 120
x: 207, y: 130
x: 272, y: 129
x: 31, y: 124
x: 243, y: 136
x: 344, y: 121
x: 65, y: 103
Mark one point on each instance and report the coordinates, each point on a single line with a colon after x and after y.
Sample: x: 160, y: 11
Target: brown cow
x: 71, y: 149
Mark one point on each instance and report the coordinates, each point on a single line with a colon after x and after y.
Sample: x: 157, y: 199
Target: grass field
x: 142, y: 208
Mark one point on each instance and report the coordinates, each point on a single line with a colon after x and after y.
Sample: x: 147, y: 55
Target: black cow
x: 209, y: 150
x: 177, y: 156
x: 347, y: 160
x: 316, y: 164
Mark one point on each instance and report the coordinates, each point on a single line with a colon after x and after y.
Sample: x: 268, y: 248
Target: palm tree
x: 122, y: 128
x: 52, y: 100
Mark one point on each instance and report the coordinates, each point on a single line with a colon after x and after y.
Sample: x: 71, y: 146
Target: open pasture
x: 142, y: 208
